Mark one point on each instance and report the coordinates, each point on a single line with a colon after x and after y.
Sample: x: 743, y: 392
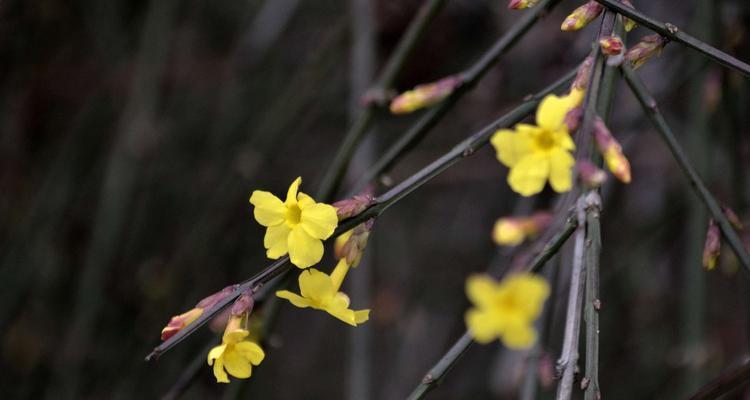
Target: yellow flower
x: 321, y: 291
x: 505, y: 310
x: 236, y: 355
x: 296, y: 226
x: 535, y: 154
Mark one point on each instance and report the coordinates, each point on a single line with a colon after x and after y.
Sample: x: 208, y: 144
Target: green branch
x: 436, y: 374
x: 724, y: 383
x: 469, y: 78
x: 461, y: 151
x: 675, y: 34
x: 591, y: 252
x: 657, y: 119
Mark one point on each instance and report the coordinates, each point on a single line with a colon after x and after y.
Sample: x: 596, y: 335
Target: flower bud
x: 348, y: 208
x: 425, y: 95
x: 611, y: 151
x: 628, y: 23
x: 584, y: 73
x: 712, y: 247
x: 353, y: 246
x: 243, y: 304
x: 590, y: 175
x: 581, y: 16
x: 521, y: 4
x: 573, y: 119
x: 511, y: 231
x: 733, y: 218
x: 611, y: 45
x: 178, y: 322
x: 645, y: 49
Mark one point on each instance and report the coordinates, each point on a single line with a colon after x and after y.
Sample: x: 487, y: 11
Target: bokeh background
x: 133, y: 132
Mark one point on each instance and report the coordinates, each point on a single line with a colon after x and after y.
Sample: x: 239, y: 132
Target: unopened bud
x: 243, y: 304
x: 348, y: 208
x: 179, y: 322
x: 590, y: 175
x: 581, y: 16
x: 611, y: 151
x: 511, y: 231
x: 573, y: 119
x: 712, y: 247
x: 424, y: 96
x: 584, y: 74
x: 611, y: 45
x: 521, y: 4
x: 645, y: 49
x: 628, y: 23
x: 353, y: 246
x: 733, y: 218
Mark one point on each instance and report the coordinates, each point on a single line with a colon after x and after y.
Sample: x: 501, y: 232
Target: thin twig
x: 461, y: 151
x: 335, y: 171
x: 657, y: 119
x: 439, y: 370
x: 674, y: 33
x: 733, y: 379
x: 469, y: 78
x: 592, y: 251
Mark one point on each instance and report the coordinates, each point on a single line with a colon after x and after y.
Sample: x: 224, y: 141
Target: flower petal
x: 521, y: 336
x: 529, y: 175
x: 561, y: 164
x: 481, y: 290
x: 361, y: 316
x: 276, y: 241
x: 510, y: 146
x: 482, y: 326
x: 237, y: 365
x: 318, y: 220
x: 294, y: 298
x: 251, y: 351
x: 291, y: 194
x: 304, y: 250
x: 215, y: 353
x: 268, y: 209
x: 551, y: 112
x: 219, y: 373
x: 316, y: 286
x: 344, y: 314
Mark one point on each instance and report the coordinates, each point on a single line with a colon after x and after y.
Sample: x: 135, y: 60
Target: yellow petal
x: 482, y: 326
x: 276, y: 241
x: 304, y: 200
x: 215, y: 353
x: 529, y: 175
x: 551, y: 112
x: 319, y: 220
x: 294, y: 298
x: 361, y: 316
x: 343, y: 314
x: 561, y: 170
x: 519, y: 336
x: 339, y: 273
x: 480, y: 289
x: 510, y: 146
x: 304, y: 250
x: 564, y: 140
x: 532, y: 290
x: 235, y: 335
x: 269, y: 210
x: 316, y: 286
x: 508, y: 232
x: 237, y: 365
x: 291, y: 194
x: 219, y: 373
x: 251, y: 351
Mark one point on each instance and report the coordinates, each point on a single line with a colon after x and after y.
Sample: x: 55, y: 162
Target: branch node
x: 585, y: 382
x: 597, y: 305
x: 673, y: 29
x: 428, y: 379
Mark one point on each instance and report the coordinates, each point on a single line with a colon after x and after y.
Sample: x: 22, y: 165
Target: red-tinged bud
x: 348, y: 208
x: 611, y: 151
x: 538, y: 222
x: 573, y: 119
x: 424, y: 96
x: 712, y: 247
x: 590, y: 175
x: 178, y: 322
x: 512, y: 231
x: 521, y: 4
x: 582, y: 16
x: 733, y: 218
x: 645, y: 49
x: 356, y: 242
x: 243, y: 304
x: 584, y: 73
x: 611, y: 45
x: 628, y: 23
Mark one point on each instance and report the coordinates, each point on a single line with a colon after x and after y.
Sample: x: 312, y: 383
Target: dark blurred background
x: 133, y: 132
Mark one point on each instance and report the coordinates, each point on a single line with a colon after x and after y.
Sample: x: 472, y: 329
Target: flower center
x: 545, y: 140
x: 293, y: 215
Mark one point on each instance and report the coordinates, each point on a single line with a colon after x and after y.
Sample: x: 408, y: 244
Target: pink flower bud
x: 582, y: 16
x: 590, y: 175
x: 424, y: 96
x: 521, y: 4
x: 645, y: 49
x: 348, y: 208
x: 611, y: 45
x: 611, y: 150
x: 712, y: 247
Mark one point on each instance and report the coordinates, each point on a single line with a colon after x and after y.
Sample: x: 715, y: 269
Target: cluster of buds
x: 351, y: 244
x: 425, y: 95
x: 353, y: 206
x: 512, y: 231
x: 611, y: 151
x: 521, y: 4
x: 648, y: 47
x: 590, y: 175
x: 178, y: 322
x: 582, y: 16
